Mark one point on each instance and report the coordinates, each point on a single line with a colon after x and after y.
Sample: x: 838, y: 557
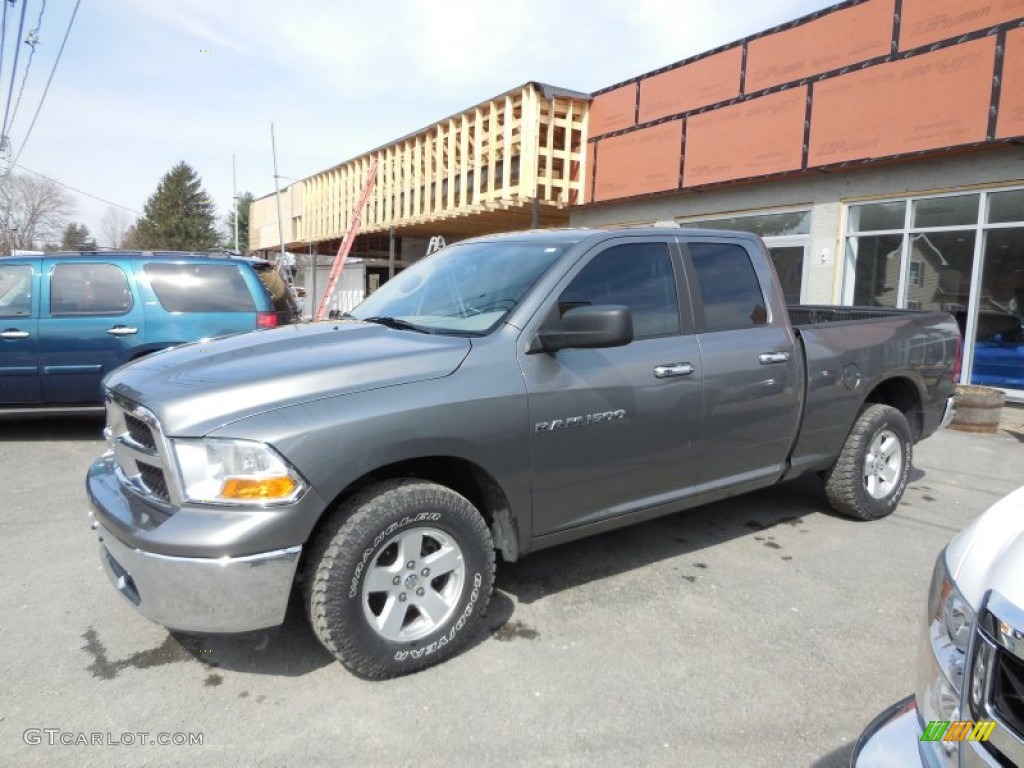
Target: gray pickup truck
x: 505, y: 394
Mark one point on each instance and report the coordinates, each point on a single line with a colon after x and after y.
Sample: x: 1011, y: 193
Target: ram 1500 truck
x: 505, y: 394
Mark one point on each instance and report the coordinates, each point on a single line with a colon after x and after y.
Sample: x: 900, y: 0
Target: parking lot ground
x: 760, y: 631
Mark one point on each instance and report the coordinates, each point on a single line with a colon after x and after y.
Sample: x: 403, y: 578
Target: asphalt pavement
x: 760, y: 631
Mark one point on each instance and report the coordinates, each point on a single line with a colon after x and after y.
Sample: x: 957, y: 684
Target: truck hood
x: 989, y: 553
x: 198, y: 387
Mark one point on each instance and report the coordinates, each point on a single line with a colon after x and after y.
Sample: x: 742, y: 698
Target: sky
x: 144, y: 84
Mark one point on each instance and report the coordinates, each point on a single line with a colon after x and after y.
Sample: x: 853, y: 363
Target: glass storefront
x: 959, y: 253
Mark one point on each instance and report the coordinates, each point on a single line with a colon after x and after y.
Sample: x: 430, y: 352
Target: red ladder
x: 346, y: 243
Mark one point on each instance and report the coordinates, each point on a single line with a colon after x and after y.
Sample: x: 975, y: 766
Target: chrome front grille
x: 139, y: 431
x: 141, y: 451
x: 996, y: 690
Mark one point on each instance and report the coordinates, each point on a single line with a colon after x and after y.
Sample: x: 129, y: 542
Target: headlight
x: 234, y: 472
x: 942, y: 658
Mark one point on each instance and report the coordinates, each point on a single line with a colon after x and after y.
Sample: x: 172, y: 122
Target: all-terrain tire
x: 870, y: 475
x: 398, y: 577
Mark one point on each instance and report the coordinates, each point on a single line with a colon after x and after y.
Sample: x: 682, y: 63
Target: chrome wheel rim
x: 883, y: 464
x: 413, y: 584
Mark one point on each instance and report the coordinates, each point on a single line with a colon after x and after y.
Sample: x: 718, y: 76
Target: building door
x: 789, y: 255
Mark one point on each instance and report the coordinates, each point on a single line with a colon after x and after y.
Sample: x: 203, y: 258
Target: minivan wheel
x: 398, y: 578
x: 870, y: 475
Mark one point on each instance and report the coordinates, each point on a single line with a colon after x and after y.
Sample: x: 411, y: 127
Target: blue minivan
x: 68, y: 319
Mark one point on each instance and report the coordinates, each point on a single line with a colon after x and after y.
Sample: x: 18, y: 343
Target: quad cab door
x: 752, y: 367
x: 615, y: 430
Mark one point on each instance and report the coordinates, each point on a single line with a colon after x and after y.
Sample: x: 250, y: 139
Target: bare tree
x: 33, y: 212
x: 114, y: 226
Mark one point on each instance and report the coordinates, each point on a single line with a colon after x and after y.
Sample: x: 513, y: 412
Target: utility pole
x: 234, y: 185
x: 277, y: 190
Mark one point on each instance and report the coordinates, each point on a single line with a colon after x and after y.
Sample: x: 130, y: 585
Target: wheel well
x: 903, y: 395
x: 463, y: 477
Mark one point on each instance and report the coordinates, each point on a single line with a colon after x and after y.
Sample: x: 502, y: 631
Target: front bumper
x: 193, y: 584
x: 891, y: 740
x: 229, y: 594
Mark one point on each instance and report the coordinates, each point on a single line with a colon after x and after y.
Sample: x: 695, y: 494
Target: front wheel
x: 870, y: 475
x: 398, y: 578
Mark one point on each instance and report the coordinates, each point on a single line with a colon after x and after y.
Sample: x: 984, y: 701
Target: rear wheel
x: 399, y: 577
x: 870, y: 475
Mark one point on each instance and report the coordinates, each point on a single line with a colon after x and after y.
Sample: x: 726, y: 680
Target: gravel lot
x: 759, y: 631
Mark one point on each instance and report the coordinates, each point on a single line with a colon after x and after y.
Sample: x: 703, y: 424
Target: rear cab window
x: 200, y: 287
x: 729, y: 293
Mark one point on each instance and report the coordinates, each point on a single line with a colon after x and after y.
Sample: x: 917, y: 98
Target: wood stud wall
x: 498, y: 156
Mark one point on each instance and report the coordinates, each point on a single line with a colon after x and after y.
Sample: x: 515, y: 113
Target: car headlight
x: 943, y: 656
x: 234, y: 472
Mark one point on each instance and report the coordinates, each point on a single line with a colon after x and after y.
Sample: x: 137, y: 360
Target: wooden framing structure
x: 475, y: 172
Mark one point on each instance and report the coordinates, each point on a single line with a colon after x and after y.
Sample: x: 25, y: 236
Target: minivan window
x: 200, y: 287
x: 635, y: 275
x: 89, y: 289
x: 15, y: 290
x: 728, y: 285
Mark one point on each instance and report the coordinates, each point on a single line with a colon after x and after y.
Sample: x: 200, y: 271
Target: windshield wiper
x: 396, y: 323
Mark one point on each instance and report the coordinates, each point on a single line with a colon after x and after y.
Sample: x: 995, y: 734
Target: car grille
x: 153, y: 479
x: 138, y: 444
x: 1008, y: 691
x: 996, y: 690
x: 139, y: 431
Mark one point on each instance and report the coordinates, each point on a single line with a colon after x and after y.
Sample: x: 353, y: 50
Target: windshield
x: 464, y: 288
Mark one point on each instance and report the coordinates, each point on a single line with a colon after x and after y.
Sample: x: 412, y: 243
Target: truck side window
x: 638, y: 276
x: 15, y: 290
x: 89, y: 289
x: 729, y: 288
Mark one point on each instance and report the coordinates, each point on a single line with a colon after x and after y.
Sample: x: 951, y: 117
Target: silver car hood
x: 989, y: 553
x: 198, y: 387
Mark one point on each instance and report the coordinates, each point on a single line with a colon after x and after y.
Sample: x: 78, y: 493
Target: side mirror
x: 590, y: 328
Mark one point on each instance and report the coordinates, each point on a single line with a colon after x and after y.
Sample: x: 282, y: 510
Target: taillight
x: 266, y: 319
x: 959, y: 358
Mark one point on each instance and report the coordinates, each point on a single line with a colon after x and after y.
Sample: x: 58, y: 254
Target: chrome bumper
x: 891, y: 740
x: 228, y: 594
x: 947, y: 415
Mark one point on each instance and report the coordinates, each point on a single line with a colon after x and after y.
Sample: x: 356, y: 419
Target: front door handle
x: 122, y: 330
x: 672, y: 369
x: 770, y: 358
x: 14, y: 333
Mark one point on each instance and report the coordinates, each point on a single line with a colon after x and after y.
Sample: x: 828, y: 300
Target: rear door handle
x: 770, y: 358
x: 122, y: 330
x: 14, y: 333
x: 672, y: 369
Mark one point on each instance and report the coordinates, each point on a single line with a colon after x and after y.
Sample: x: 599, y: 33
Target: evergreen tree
x: 76, y: 237
x: 179, y: 215
x: 244, y: 202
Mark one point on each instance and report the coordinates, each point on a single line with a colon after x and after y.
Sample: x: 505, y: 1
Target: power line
x: 3, y: 36
x: 79, y: 191
x: 31, y: 41
x: 49, y: 80
x: 14, y: 74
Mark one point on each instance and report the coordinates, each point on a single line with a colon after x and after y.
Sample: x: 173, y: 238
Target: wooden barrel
x: 977, y: 409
